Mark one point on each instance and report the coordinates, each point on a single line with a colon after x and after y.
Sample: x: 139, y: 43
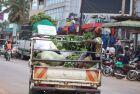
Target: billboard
x: 105, y: 6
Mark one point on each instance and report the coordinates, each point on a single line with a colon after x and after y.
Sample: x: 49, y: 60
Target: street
x: 14, y: 76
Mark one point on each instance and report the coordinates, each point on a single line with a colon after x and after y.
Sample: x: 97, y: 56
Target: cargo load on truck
x: 56, y: 69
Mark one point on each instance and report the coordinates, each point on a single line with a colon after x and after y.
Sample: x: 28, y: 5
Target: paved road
x: 14, y: 78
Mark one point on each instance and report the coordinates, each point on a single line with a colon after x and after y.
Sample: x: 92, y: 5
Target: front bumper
x: 53, y: 89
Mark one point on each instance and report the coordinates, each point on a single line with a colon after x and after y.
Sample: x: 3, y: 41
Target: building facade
x: 60, y: 9
x: 137, y: 7
x: 36, y: 6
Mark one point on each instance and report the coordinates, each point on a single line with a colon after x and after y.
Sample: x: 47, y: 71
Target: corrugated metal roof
x: 128, y: 23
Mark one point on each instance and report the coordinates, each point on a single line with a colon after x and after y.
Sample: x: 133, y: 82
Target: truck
x: 24, y: 41
x: 57, y: 79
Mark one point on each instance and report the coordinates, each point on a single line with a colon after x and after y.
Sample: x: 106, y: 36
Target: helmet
x: 126, y: 46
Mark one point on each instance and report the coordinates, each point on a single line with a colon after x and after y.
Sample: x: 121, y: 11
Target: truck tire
x: 35, y: 92
x: 22, y: 57
x: 89, y: 93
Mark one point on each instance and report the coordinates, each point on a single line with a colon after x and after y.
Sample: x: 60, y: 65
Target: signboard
x: 14, y: 34
x: 105, y: 6
x: 47, y: 30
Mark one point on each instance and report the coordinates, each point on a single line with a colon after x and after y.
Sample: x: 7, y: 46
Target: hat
x: 98, y: 30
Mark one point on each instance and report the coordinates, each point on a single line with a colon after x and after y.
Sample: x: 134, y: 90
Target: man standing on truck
x: 96, y: 45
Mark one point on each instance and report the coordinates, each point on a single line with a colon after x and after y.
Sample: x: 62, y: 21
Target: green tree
x: 41, y: 16
x: 18, y: 10
x: 4, y: 24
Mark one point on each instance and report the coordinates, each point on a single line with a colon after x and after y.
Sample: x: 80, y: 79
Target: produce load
x: 70, y: 48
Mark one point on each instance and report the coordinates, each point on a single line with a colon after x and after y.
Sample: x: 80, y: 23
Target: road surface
x: 14, y: 76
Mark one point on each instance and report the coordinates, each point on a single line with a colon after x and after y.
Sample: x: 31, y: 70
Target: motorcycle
x: 120, y: 69
x: 8, y: 55
x: 107, y: 67
x: 134, y: 75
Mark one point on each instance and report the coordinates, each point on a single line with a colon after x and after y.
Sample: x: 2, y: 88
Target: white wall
x: 138, y: 7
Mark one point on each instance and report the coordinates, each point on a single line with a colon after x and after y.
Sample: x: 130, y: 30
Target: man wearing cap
x: 96, y: 45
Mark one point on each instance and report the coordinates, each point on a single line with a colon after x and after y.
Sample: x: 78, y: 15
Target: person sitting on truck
x: 95, y: 47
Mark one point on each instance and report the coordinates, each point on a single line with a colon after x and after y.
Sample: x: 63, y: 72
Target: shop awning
x: 91, y: 25
x: 85, y: 26
x: 128, y: 23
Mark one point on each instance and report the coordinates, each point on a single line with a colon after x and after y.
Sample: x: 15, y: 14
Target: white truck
x: 24, y: 38
x: 45, y: 79
x: 24, y: 48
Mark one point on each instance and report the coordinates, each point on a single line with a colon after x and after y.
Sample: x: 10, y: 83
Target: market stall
x: 130, y: 26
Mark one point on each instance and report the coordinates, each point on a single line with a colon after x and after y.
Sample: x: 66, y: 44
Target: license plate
x: 64, y: 86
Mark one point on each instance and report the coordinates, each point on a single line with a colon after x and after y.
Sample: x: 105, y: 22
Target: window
x: 37, y: 4
x: 41, y: 4
x: 34, y: 4
x: 50, y: 2
x: 56, y: 13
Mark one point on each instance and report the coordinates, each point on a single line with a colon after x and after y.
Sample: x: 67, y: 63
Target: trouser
x: 85, y: 54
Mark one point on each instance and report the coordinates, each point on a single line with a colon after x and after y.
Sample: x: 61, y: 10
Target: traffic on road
x: 15, y: 77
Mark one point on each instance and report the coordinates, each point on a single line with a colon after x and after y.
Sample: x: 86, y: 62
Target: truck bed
x: 71, y: 76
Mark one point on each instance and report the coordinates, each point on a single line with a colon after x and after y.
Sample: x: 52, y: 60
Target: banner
x: 48, y: 30
x: 105, y: 6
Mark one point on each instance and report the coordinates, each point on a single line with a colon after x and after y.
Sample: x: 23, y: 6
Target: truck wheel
x: 22, y: 57
x: 35, y: 92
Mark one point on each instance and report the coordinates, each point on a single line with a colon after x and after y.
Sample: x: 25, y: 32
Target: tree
x: 41, y: 16
x: 4, y: 24
x: 18, y: 10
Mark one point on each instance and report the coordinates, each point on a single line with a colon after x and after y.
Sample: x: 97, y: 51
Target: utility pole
x: 81, y: 18
x: 133, y: 7
x: 123, y: 7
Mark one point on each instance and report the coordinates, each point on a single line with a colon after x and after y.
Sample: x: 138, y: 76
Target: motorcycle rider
x: 8, y: 45
x: 137, y: 55
x: 127, y: 55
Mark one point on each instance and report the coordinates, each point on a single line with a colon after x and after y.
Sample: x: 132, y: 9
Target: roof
x: 124, y: 18
x: 128, y: 23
